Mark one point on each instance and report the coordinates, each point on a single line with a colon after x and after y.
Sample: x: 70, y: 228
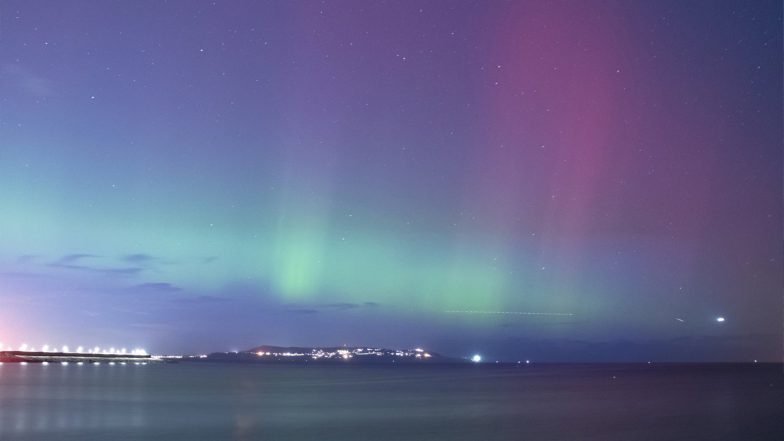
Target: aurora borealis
x: 197, y: 176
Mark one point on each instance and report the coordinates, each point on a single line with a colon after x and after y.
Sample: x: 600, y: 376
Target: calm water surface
x: 272, y: 402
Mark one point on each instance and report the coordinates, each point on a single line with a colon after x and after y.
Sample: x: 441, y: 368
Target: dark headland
x: 337, y: 354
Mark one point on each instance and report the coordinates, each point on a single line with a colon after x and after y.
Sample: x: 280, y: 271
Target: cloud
x: 73, y: 262
x: 340, y: 306
x: 26, y: 258
x: 202, y: 299
x: 24, y: 275
x: 344, y: 306
x: 156, y: 287
x: 72, y: 258
x: 302, y: 311
x: 137, y: 258
x: 128, y: 271
x: 25, y: 80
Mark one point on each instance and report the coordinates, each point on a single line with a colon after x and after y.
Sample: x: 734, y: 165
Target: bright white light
x: 112, y: 351
x: 79, y: 350
x: 64, y: 349
x: 719, y: 319
x: 97, y: 363
x: 23, y: 347
x: 64, y: 363
x: 80, y: 363
x: 24, y: 363
x: 46, y: 363
x: 476, y: 358
x: 527, y: 361
x: 96, y: 350
x: 45, y: 348
x: 122, y: 351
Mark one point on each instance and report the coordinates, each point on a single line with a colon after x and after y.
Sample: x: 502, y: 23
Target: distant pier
x: 73, y: 357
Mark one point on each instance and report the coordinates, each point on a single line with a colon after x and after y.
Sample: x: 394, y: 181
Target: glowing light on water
x: 476, y: 358
x: 719, y: 319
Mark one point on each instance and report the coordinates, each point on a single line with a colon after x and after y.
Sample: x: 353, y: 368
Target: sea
x: 224, y: 401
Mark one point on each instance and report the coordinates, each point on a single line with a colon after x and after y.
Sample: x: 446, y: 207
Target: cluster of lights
x: 81, y: 363
x: 347, y: 353
x: 79, y: 350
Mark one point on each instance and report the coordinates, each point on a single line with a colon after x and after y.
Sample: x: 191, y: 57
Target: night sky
x: 526, y: 180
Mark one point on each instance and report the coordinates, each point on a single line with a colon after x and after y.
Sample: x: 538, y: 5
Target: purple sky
x: 596, y: 180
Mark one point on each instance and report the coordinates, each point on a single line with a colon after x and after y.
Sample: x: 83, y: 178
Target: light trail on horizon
x: 560, y: 314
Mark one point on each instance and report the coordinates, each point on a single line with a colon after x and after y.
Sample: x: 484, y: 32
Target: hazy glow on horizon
x: 528, y: 179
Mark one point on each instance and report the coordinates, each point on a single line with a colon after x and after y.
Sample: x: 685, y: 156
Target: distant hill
x: 336, y: 354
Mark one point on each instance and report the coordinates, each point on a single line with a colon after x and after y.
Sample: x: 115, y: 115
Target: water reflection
x: 251, y: 402
x: 41, y: 399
